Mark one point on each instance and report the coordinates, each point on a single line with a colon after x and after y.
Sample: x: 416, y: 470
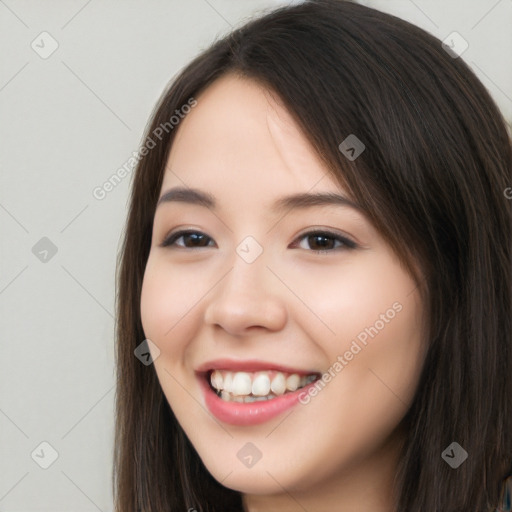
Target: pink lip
x: 244, y: 414
x: 252, y: 365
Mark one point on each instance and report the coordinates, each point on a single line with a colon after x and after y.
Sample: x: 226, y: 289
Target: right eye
x: 192, y: 238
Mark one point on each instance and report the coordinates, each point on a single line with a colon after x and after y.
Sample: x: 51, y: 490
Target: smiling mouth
x: 247, y: 387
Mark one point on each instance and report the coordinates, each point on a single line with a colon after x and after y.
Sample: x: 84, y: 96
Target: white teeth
x: 250, y: 387
x: 278, y: 385
x: 228, y: 382
x: 261, y: 385
x: 292, y: 382
x: 242, y: 384
x: 217, y: 380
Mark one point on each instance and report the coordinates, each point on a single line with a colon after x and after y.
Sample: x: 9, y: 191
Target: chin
x: 260, y: 479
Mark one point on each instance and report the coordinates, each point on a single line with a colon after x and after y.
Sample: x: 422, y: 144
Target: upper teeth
x: 258, y: 383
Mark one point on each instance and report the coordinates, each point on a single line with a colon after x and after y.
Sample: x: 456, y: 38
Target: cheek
x: 368, y: 322
x: 380, y: 340
x: 170, y: 319
x: 362, y: 297
x: 167, y: 305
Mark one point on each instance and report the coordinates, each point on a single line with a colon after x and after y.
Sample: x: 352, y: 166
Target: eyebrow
x: 294, y: 201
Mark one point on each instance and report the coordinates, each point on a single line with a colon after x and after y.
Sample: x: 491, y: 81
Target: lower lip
x: 253, y: 413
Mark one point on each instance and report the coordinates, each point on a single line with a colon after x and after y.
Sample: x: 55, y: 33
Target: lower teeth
x: 228, y: 397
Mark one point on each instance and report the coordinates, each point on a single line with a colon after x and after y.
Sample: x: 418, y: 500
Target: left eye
x: 325, y: 241
x: 318, y: 241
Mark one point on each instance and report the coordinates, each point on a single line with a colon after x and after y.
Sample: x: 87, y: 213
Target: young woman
x: 317, y: 263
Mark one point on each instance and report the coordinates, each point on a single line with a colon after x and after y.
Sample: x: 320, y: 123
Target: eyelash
x: 347, y: 244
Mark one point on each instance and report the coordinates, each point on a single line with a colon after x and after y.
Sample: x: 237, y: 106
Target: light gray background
x: 67, y: 123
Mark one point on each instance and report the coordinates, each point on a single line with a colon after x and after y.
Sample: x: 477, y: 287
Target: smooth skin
x: 202, y: 301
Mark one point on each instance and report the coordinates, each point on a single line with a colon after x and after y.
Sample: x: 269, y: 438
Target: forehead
x: 240, y: 135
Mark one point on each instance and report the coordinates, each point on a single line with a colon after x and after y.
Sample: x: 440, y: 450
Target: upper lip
x: 250, y: 365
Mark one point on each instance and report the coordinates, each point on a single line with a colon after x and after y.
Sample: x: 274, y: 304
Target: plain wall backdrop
x: 78, y: 80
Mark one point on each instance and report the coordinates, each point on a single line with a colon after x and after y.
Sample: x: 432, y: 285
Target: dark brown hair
x: 438, y: 159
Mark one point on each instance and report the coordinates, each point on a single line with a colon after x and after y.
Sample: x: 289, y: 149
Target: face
x: 273, y: 296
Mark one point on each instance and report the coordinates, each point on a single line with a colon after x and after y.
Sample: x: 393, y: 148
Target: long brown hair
x: 433, y: 176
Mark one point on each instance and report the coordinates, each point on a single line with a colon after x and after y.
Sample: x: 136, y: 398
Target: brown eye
x: 191, y: 239
x: 325, y: 241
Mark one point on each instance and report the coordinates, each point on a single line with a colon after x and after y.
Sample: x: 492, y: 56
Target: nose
x: 247, y: 297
